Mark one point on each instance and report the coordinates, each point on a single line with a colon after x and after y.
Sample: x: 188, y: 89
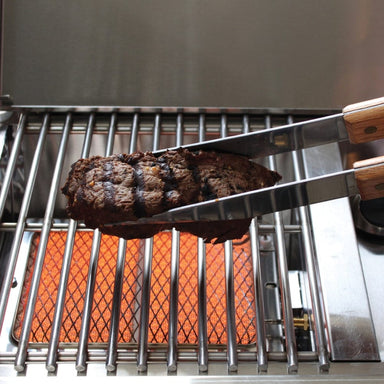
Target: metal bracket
x: 5, y: 117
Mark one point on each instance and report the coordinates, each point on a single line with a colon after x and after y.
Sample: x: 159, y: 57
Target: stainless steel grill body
x: 304, y: 281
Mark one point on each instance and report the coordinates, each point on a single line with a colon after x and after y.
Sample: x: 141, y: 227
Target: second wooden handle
x: 369, y: 176
x: 365, y: 120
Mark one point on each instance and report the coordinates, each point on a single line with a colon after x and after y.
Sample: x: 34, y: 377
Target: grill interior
x: 76, y: 295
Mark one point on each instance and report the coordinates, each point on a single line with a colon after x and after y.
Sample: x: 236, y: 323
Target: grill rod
x: 202, y: 286
x: 119, y: 275
x: 202, y: 307
x: 229, y: 286
x: 174, y: 283
x: 173, y: 302
x: 309, y: 253
x: 36, y: 226
x: 142, y: 355
x: 51, y: 363
x: 116, y: 305
x: 230, y: 308
x: 21, y: 354
x: 262, y: 361
x: 284, y: 280
x: 81, y: 360
x: 8, y: 277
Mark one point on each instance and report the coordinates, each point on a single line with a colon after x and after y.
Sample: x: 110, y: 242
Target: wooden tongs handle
x: 369, y: 176
x: 365, y: 120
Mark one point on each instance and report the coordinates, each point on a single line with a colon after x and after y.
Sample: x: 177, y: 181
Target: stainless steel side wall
x: 238, y: 53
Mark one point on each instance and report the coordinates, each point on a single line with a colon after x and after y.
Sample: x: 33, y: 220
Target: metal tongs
x: 357, y: 123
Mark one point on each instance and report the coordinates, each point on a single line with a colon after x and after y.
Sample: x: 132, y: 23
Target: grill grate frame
x: 155, y: 128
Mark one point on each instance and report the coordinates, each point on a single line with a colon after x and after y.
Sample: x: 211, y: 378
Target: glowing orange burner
x: 131, y: 292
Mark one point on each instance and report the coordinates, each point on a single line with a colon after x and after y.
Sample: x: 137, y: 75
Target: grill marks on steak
x: 109, y: 190
x: 125, y: 187
x: 142, y: 184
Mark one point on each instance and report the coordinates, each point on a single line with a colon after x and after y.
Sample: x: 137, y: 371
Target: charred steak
x: 122, y: 187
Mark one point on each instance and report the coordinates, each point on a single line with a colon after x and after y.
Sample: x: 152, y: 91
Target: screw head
x: 371, y: 129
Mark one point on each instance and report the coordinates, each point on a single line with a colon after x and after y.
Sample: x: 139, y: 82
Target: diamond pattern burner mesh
x: 132, y: 289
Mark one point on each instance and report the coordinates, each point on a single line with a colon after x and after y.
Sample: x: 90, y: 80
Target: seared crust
x: 123, y: 187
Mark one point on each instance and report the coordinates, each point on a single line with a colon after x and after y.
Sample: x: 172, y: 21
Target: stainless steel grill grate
x: 171, y: 298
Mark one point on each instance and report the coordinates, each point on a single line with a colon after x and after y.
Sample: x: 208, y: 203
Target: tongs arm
x: 357, y: 123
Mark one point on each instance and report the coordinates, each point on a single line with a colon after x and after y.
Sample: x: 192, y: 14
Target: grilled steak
x: 122, y: 187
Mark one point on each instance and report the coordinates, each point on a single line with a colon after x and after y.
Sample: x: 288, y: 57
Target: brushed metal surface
x: 193, y: 53
x: 350, y: 327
